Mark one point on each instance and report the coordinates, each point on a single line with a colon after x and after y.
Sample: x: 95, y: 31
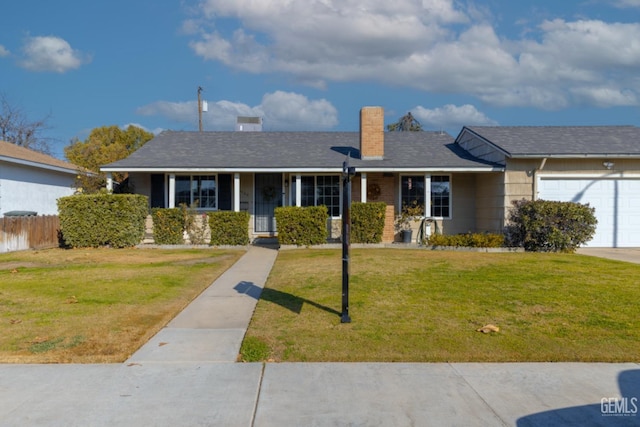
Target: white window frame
x: 295, y: 198
x: 172, y: 190
x: 427, y: 193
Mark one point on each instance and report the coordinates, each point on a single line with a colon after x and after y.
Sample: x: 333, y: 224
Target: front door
x: 268, y: 197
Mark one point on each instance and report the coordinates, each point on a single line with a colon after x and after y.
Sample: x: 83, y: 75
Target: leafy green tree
x: 407, y: 123
x: 104, y: 145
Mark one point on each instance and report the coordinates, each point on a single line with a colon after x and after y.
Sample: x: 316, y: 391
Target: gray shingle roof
x: 294, y: 150
x: 569, y: 141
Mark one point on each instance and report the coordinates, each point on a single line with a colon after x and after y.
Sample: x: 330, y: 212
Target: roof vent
x: 248, y: 124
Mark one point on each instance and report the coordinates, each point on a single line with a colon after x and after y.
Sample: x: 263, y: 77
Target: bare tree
x: 15, y: 127
x: 407, y: 123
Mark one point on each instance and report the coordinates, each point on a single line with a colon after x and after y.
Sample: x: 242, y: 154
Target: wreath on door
x: 268, y: 193
x: 373, y: 191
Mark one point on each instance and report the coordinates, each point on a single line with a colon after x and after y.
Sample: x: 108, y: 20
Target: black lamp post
x: 347, y: 173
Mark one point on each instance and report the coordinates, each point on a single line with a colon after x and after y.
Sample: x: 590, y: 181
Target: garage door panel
x: 616, y: 203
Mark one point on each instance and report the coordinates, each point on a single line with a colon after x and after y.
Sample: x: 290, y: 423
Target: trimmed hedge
x: 168, y: 226
x: 550, y: 226
x: 229, y: 228
x: 94, y: 220
x: 471, y: 240
x: 302, y: 226
x: 367, y: 222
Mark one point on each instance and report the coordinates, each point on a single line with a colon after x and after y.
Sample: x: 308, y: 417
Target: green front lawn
x: 96, y: 305
x: 425, y: 306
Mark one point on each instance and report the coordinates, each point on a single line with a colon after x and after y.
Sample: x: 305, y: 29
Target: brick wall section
x: 372, y: 132
x: 389, y: 232
x: 388, y: 186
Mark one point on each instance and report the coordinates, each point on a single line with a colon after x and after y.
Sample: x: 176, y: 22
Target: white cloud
x: 3, y: 51
x: 50, y: 53
x: 451, y: 117
x: 627, y: 3
x: 155, y: 131
x: 430, y: 45
x: 292, y: 111
x: 279, y: 110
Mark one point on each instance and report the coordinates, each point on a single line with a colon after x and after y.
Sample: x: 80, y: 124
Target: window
x: 319, y: 190
x: 308, y: 197
x: 413, y: 191
x: 197, y: 190
x: 440, y: 196
x: 328, y: 190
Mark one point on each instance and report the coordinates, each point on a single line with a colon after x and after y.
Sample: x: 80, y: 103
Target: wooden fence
x: 28, y: 232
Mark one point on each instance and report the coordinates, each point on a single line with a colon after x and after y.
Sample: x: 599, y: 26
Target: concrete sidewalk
x: 320, y: 394
x: 186, y: 376
x: 212, y: 327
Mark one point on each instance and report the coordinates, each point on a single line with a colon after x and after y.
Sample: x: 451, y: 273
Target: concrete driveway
x: 619, y: 254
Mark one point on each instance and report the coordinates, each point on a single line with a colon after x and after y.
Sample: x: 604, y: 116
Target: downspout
x: 236, y: 192
x: 109, y: 182
x: 534, y: 196
x: 363, y: 187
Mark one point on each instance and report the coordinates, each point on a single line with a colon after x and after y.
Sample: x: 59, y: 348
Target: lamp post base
x: 345, y: 318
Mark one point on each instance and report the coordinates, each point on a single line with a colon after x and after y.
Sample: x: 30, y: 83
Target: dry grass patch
x: 96, y: 305
x: 426, y: 306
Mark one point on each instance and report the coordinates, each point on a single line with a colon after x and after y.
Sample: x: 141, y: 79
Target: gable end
x: 479, y: 147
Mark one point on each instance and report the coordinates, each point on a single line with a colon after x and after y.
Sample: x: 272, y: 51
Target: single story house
x: 464, y: 184
x: 33, y: 181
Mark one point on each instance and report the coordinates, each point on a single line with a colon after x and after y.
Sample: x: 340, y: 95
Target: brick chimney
x: 372, y: 133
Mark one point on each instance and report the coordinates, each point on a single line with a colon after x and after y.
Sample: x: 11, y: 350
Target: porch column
x: 109, y: 182
x: 298, y: 190
x: 427, y: 195
x: 363, y: 187
x: 236, y: 192
x: 172, y: 191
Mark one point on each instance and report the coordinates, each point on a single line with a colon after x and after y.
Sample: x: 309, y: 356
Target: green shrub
x: 302, y: 226
x: 550, y: 226
x: 229, y: 228
x: 196, y: 224
x: 94, y: 220
x: 471, y: 240
x: 367, y: 222
x: 168, y: 226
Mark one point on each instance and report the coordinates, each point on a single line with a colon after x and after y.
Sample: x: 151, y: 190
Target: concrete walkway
x: 212, y: 327
x: 186, y: 376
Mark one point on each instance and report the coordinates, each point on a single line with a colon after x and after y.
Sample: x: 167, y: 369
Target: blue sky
x: 312, y: 64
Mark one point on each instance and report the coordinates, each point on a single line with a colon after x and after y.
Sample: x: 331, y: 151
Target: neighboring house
x: 32, y: 181
x: 465, y: 184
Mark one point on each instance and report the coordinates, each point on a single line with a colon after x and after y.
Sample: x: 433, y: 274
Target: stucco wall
x: 141, y: 184
x: 463, y: 207
x: 518, y: 182
x: 594, y: 165
x: 490, y: 196
x: 520, y: 175
x: 27, y: 188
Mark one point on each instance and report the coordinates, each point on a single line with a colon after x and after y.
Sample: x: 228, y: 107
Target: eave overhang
x: 306, y: 170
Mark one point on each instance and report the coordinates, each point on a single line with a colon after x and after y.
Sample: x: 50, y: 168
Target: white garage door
x: 617, y: 204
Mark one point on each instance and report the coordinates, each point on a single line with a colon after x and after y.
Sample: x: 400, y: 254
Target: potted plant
x: 409, y: 214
